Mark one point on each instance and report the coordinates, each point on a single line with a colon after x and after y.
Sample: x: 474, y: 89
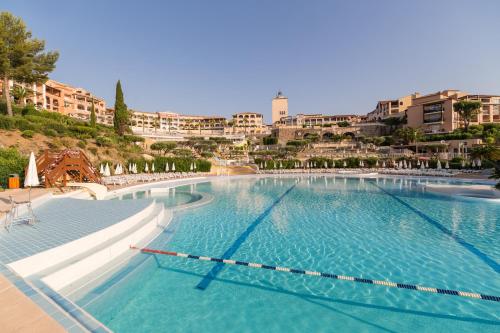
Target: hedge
x: 11, y: 162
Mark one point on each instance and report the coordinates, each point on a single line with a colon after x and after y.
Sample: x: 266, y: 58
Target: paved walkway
x: 20, y: 314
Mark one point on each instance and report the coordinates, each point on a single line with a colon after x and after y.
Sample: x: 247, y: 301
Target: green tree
x: 92, y: 115
x: 486, y: 152
x: 343, y: 124
x: 20, y: 93
x: 163, y: 146
x: 496, y: 174
x: 408, y: 135
x: 467, y: 110
x: 21, y: 56
x: 121, y: 112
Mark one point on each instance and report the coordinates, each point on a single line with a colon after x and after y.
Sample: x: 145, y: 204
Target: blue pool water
x: 378, y: 229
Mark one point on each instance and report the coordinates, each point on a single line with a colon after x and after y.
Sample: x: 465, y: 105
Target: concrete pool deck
x: 20, y: 314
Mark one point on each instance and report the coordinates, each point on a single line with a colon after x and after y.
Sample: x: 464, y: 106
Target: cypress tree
x: 121, y: 112
x: 92, y: 115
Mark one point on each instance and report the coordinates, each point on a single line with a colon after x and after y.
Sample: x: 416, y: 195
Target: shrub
x: 27, y: 134
x: 11, y: 162
x: 207, y: 154
x: 58, y: 127
x: 133, y: 138
x: 343, y: 124
x: 28, y: 109
x: 182, y: 152
x: 50, y: 132
x: 269, y: 140
x: 370, y: 162
x: 81, y: 144
x: 83, y: 130
x: 23, y: 124
x: 7, y: 122
x: 103, y: 141
x: 93, y: 150
x: 3, y: 107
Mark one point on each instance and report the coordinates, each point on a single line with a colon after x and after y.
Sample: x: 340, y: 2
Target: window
x: 436, y: 107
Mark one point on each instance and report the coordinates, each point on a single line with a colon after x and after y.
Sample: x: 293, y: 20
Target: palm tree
x: 143, y: 119
x: 467, y: 110
x: 156, y: 124
x: 169, y: 121
x: 20, y: 94
x: 408, y: 135
x: 212, y: 124
x: 188, y: 125
x: 245, y: 122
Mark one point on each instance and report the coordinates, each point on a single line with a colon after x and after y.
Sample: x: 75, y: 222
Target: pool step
x: 54, y: 259
x: 89, y: 263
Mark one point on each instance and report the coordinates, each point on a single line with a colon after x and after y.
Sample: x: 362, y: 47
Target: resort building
x: 167, y: 122
x: 391, y: 108
x: 434, y: 113
x: 144, y: 121
x: 60, y: 97
x: 312, y: 120
x: 279, y: 107
x: 249, y: 122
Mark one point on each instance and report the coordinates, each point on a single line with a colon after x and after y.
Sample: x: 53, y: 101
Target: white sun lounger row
x: 409, y: 172
x: 148, y: 177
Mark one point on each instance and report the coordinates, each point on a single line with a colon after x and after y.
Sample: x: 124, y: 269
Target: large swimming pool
x: 387, y: 229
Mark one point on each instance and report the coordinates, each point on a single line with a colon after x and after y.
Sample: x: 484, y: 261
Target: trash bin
x: 13, y: 180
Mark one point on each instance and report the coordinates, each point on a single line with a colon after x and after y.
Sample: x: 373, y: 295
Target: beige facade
x: 434, y: 113
x: 59, y: 97
x: 249, y: 122
x: 392, y: 108
x: 174, y: 122
x: 279, y: 107
x: 312, y: 120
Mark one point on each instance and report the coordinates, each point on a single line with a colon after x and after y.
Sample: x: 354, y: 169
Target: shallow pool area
x: 385, y: 228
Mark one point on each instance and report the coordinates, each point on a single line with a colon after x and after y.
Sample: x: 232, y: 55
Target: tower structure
x: 279, y: 107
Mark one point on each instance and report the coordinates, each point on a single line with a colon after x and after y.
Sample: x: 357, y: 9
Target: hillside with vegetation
x: 32, y: 130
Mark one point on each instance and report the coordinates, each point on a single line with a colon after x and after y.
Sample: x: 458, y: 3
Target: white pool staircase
x: 97, y: 190
x: 81, y: 260
x: 474, y: 191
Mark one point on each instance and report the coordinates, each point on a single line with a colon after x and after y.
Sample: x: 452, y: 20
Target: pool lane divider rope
x: 205, y: 282
x: 326, y: 275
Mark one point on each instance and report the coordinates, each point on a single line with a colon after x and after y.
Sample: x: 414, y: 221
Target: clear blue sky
x: 226, y: 56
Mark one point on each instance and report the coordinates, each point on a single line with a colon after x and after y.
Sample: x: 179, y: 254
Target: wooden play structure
x: 55, y: 169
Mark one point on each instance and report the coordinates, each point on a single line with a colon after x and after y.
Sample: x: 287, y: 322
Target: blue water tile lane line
x: 468, y: 246
x: 205, y: 282
x: 384, y: 283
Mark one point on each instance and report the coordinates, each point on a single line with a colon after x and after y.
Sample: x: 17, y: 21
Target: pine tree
x: 92, y: 115
x: 21, y: 56
x: 121, y: 112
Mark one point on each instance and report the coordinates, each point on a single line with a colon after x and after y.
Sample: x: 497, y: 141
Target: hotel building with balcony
x: 171, y: 122
x: 433, y: 113
x: 248, y: 123
x: 312, y: 120
x: 391, y: 108
x: 62, y: 98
